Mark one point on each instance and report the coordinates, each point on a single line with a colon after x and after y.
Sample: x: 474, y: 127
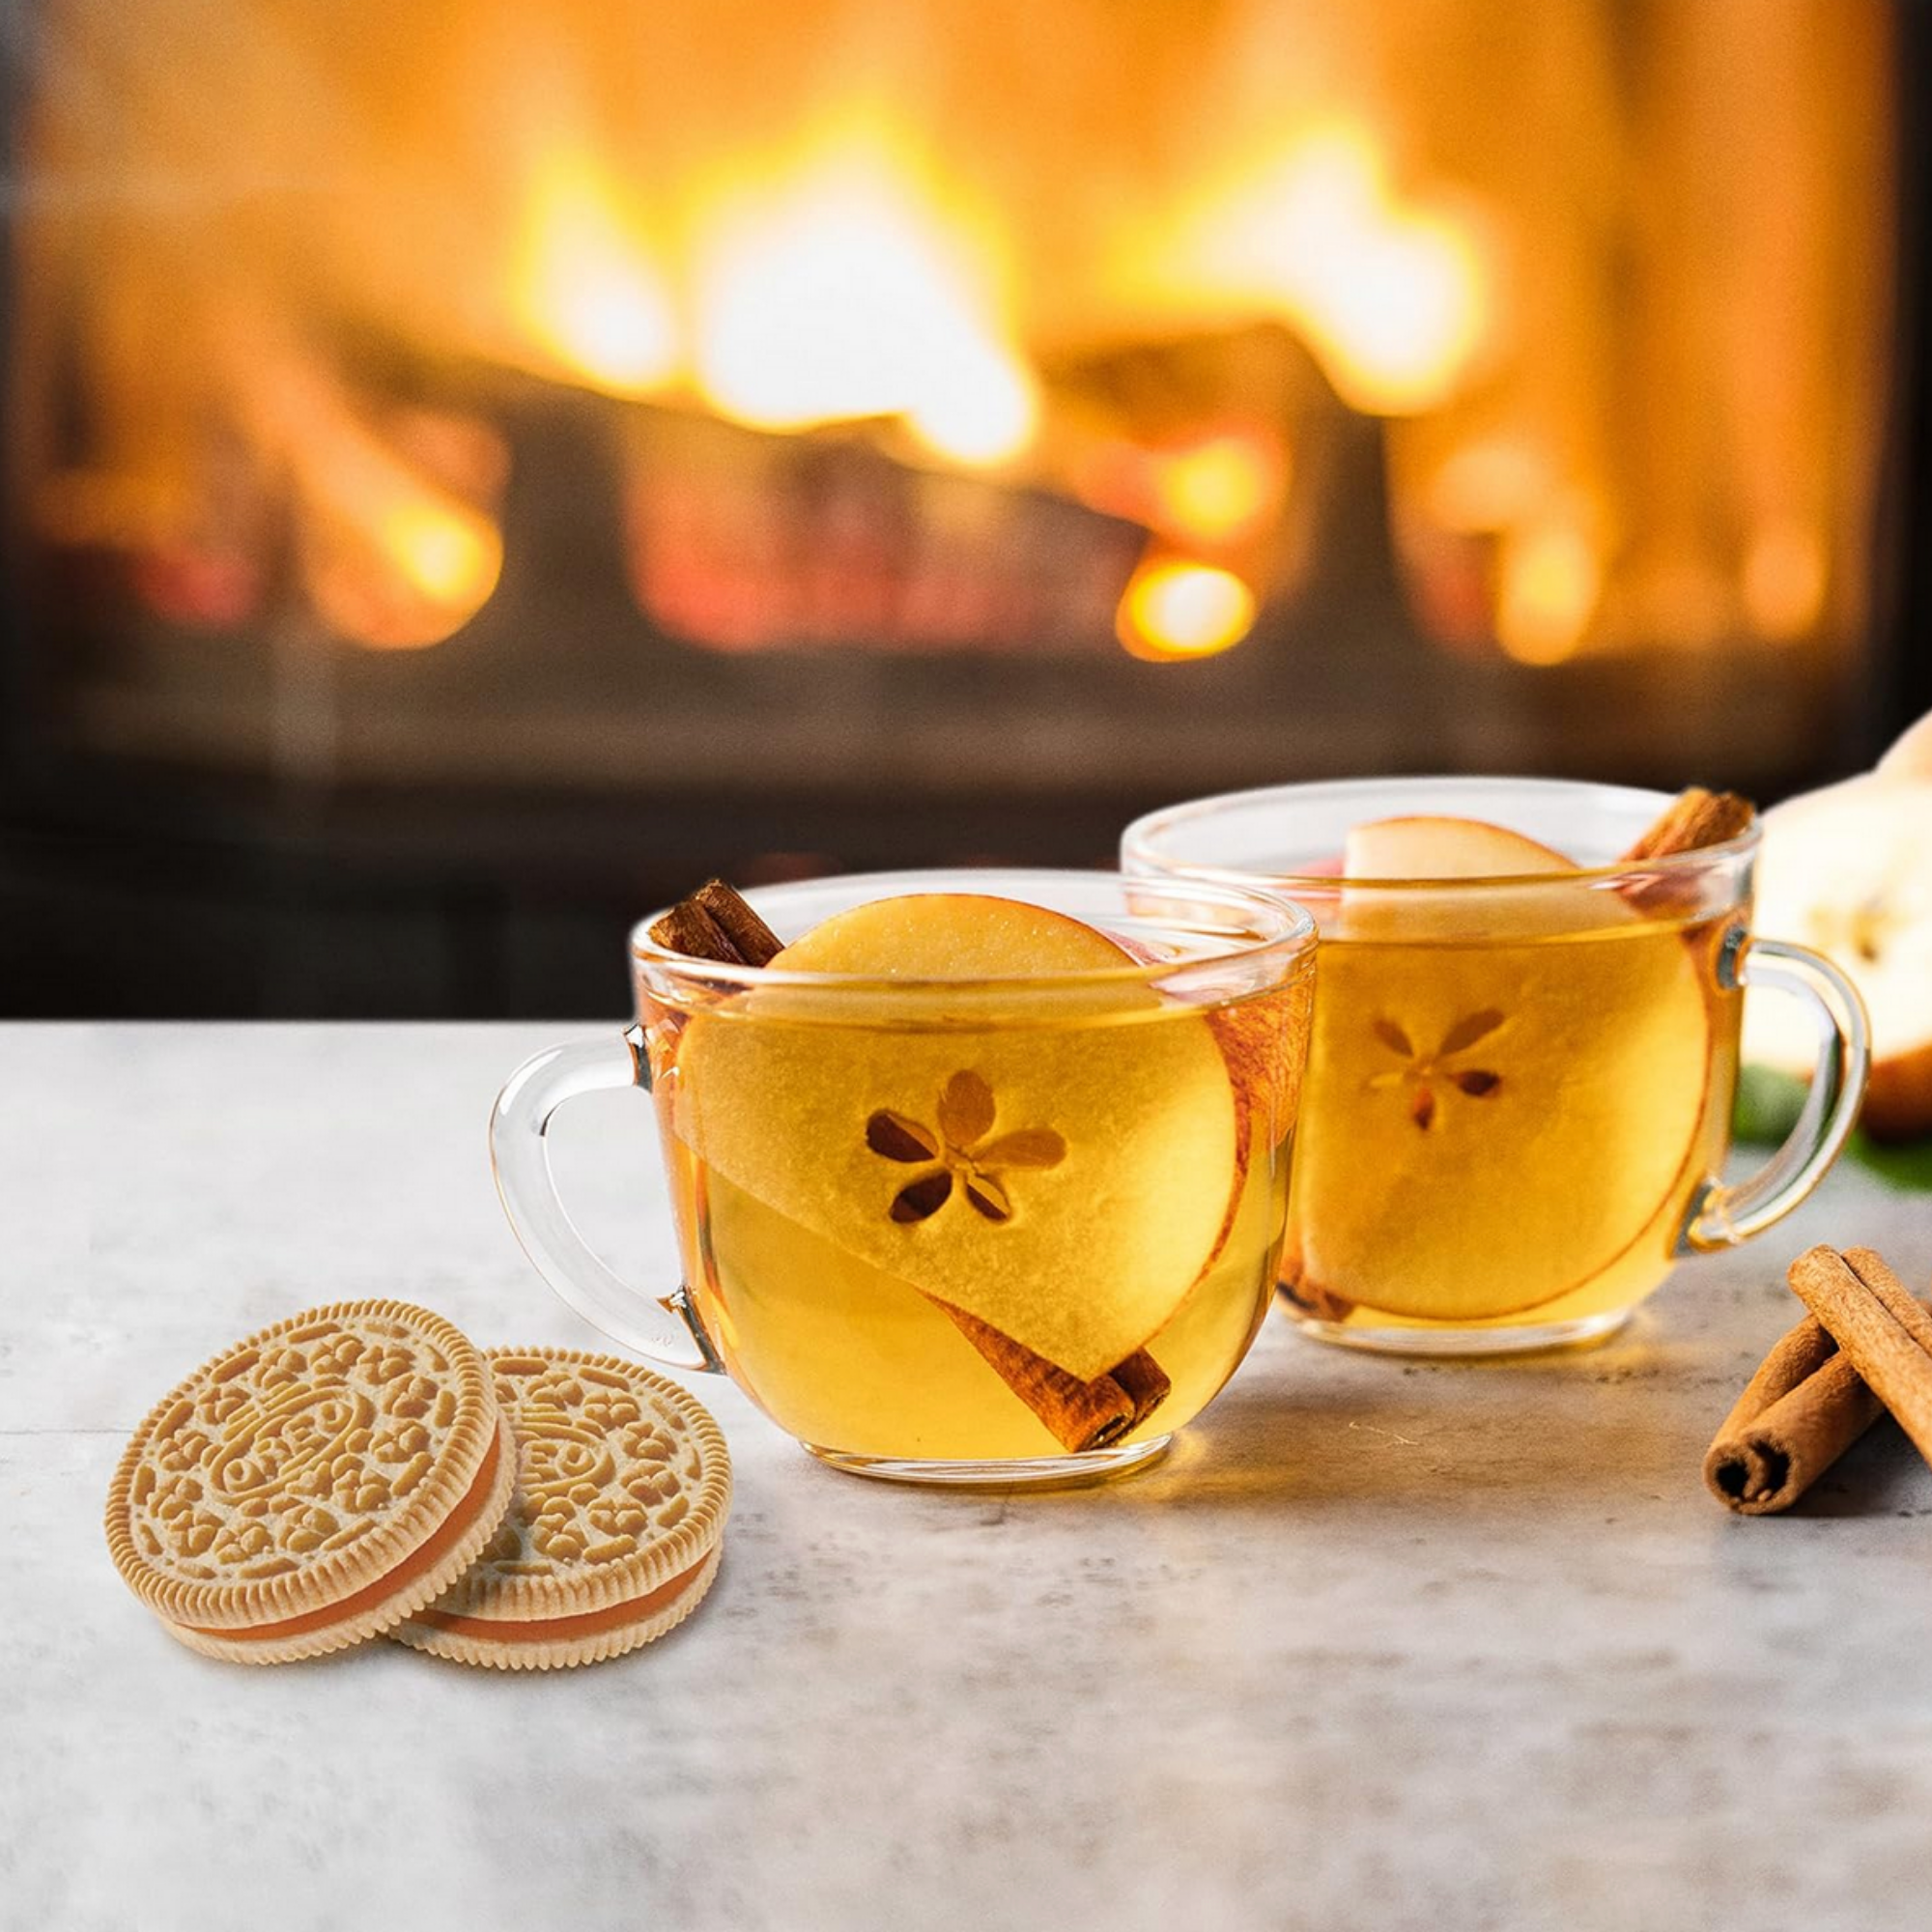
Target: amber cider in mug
x: 1520, y: 1083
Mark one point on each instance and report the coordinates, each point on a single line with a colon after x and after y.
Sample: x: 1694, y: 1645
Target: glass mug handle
x: 1724, y: 1216
x: 665, y: 1330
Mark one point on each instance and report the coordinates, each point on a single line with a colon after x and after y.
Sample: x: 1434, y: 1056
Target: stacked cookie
x: 364, y: 1470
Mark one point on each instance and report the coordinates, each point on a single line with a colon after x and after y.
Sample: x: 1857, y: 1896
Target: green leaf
x: 1768, y: 1105
x: 1906, y: 1165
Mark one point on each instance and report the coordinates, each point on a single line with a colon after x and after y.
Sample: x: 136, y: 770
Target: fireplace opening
x: 471, y: 472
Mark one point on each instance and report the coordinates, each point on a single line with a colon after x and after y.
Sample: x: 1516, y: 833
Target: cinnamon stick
x: 1309, y: 1294
x: 1805, y: 1405
x: 715, y: 922
x: 1146, y: 1383
x: 755, y: 943
x: 1883, y: 1333
x: 687, y: 927
x: 1082, y: 1415
x: 1693, y: 819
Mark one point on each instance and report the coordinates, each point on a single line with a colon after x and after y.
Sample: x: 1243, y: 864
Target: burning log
x: 742, y: 540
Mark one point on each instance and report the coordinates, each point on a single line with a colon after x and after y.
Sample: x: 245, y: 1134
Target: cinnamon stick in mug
x: 715, y: 922
x: 1693, y: 820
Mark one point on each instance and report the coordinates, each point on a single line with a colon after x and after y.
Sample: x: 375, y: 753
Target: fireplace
x: 470, y: 472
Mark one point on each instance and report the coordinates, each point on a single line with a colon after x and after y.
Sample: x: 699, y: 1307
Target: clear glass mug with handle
x: 1520, y: 1086
x: 1009, y: 1212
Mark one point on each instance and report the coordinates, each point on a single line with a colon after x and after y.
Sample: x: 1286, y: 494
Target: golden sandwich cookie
x: 313, y: 1485
x: 622, y: 1488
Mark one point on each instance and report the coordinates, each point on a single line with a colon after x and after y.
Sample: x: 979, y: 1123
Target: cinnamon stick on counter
x: 715, y: 924
x: 1883, y: 1333
x: 1802, y: 1410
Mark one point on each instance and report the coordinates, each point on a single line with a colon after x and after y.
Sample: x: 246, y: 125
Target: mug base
x: 1585, y: 1332
x: 1032, y: 1472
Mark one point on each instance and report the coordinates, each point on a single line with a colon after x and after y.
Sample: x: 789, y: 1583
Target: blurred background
x: 472, y: 470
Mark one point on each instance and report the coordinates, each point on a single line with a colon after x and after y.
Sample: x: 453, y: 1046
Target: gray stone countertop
x: 1378, y: 1646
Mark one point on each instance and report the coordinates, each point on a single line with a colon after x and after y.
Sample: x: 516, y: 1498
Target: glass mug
x: 1520, y: 1089
x: 1014, y: 1228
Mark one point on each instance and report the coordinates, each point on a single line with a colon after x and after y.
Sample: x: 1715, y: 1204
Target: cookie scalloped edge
x: 378, y: 1619
x: 239, y: 1605
x: 643, y: 1570
x: 538, y: 1653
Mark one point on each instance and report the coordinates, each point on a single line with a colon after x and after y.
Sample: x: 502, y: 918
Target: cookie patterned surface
x: 311, y: 1486
x: 622, y: 1488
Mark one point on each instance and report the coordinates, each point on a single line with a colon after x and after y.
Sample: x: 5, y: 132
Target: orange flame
x: 583, y: 289
x: 842, y: 287
x: 391, y: 556
x: 1218, y: 490
x: 1392, y: 296
x: 392, y: 561
x: 1552, y: 579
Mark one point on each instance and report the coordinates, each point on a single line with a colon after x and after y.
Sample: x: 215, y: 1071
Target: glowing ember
x: 1172, y: 611
x: 392, y: 562
x: 843, y: 293
x: 1784, y: 579
x: 1219, y: 489
x: 583, y: 287
x: 1551, y: 581
x: 446, y: 551
x: 391, y: 556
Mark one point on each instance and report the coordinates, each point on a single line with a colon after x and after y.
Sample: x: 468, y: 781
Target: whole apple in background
x: 1848, y: 870
x: 1910, y: 757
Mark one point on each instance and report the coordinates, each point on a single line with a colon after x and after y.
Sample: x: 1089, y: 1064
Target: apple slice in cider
x: 1445, y: 848
x: 1062, y: 1167
x: 1505, y: 1086
x: 1421, y: 877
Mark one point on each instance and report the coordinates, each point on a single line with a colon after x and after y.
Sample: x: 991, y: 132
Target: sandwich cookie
x: 623, y: 1484
x: 312, y: 1486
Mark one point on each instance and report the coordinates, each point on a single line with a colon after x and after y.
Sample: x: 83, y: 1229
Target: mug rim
x: 1296, y: 932
x: 1138, y: 853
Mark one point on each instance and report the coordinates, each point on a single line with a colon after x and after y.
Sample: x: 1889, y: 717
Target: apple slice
x: 1498, y: 1109
x: 1263, y: 1039
x: 1445, y: 848
x: 1066, y: 1183
x: 1848, y: 870
x: 1414, y: 853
